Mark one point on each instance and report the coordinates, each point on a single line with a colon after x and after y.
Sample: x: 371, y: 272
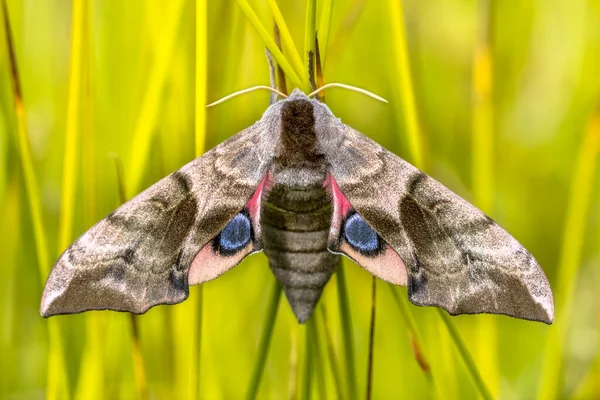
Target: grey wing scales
x: 457, y: 258
x: 140, y: 255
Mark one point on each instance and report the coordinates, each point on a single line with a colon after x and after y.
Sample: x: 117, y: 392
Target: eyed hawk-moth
x: 304, y: 188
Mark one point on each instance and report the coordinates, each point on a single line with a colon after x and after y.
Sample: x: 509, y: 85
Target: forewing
x: 456, y: 257
x: 141, y: 254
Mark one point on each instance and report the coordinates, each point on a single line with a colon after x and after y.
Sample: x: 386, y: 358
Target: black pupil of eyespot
x: 360, y: 235
x: 236, y: 235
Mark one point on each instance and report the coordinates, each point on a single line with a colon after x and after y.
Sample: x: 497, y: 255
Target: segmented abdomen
x: 295, y: 225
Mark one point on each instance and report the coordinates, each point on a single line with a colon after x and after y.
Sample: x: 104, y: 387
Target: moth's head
x: 297, y: 94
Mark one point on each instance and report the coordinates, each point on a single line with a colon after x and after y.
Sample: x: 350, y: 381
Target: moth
x: 304, y: 188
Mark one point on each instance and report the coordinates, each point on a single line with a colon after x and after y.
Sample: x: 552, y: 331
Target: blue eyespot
x: 360, y: 236
x: 235, y: 236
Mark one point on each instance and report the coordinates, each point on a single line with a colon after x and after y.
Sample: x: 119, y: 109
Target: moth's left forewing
x: 143, y: 253
x: 454, y: 256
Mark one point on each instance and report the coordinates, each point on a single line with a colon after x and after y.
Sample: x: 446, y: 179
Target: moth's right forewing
x: 456, y: 257
x: 140, y: 255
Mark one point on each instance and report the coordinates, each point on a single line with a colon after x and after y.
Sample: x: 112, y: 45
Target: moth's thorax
x: 298, y: 163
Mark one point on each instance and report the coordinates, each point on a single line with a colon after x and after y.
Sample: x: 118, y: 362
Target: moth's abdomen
x: 295, y: 226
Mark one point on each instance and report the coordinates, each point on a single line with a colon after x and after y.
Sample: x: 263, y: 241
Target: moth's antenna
x: 246, y: 91
x: 354, y: 88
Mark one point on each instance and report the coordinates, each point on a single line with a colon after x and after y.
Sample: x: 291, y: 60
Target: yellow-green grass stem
x: 288, y: 41
x: 482, y: 123
x: 344, y: 33
x: 333, y: 359
x: 306, y: 391
x: 272, y: 46
x: 201, y: 73
x: 482, y: 170
x: 11, y: 230
x: 71, y: 150
x: 90, y: 379
x: 369, y: 390
x: 347, y: 335
x: 459, y: 343
x: 145, y: 125
x: 309, y: 40
x: 265, y: 341
x: 415, y: 337
x: 405, y: 88
x: 57, y: 385
x: 319, y: 360
x: 324, y: 29
x: 580, y: 196
x: 412, y: 129
x: 139, y: 369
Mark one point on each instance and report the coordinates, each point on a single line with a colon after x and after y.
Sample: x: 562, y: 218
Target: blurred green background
x: 496, y: 100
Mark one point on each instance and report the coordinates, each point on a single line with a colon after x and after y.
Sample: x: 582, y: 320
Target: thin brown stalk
x: 281, y: 84
x: 319, y: 70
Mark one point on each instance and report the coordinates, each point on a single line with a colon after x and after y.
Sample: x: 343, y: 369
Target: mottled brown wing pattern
x: 140, y: 255
x: 457, y: 258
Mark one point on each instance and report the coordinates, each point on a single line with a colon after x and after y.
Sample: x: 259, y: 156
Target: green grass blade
x: 201, y: 74
x: 348, y: 336
x: 69, y: 186
x: 138, y: 358
x: 318, y: 358
x: 265, y: 341
x: 344, y: 34
x: 333, y: 359
x: 369, y: 391
x: 483, y: 175
x: 308, y: 362
x: 483, y: 116
x: 412, y: 129
x: 139, y: 369
x: 413, y: 333
x: 287, y: 40
x: 145, y: 126
x: 33, y: 194
x: 57, y: 385
x: 405, y: 88
x: 309, y: 39
x: 271, y: 45
x: 324, y: 28
x: 79, y: 125
x: 580, y: 197
x: 465, y: 355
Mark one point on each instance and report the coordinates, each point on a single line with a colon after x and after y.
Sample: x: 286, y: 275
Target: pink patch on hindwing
x: 209, y: 264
